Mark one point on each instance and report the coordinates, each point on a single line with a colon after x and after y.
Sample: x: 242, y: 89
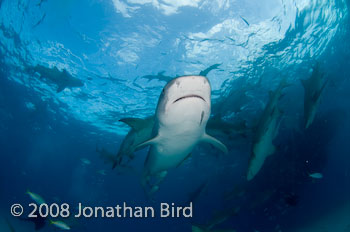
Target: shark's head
x: 185, y: 99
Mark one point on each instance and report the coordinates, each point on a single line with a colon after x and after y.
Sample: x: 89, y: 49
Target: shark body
x: 63, y: 79
x: 161, y: 77
x: 141, y: 131
x: 266, y: 132
x: 313, y: 88
x: 180, y: 124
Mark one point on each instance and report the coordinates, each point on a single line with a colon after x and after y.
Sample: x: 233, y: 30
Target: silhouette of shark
x: 63, y: 79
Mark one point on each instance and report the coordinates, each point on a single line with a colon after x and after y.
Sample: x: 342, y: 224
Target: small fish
x: 60, y: 224
x: 316, y: 175
x: 36, y: 197
x: 244, y: 20
x: 85, y: 161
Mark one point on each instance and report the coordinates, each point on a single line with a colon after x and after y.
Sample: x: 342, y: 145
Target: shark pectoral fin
x: 146, y: 143
x: 216, y: 143
x: 135, y: 123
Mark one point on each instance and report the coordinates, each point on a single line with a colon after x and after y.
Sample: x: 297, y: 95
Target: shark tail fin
x: 216, y: 143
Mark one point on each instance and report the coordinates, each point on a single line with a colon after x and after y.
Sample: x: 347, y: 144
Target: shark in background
x: 266, y: 131
x: 62, y: 79
x: 218, y: 126
x: 161, y: 77
x: 238, y: 98
x: 206, y: 71
x: 180, y: 124
x: 313, y: 88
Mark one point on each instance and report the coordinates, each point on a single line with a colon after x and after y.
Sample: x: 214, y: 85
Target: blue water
x: 107, y: 60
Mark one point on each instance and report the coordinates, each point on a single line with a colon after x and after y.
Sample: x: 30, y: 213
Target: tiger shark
x: 181, y: 117
x: 141, y: 131
x: 313, y: 87
x: 266, y: 131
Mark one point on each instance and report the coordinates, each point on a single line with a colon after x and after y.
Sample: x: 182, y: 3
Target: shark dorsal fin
x: 135, y: 123
x: 213, y: 141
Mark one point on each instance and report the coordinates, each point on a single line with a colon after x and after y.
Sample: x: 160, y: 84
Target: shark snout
x: 188, y: 87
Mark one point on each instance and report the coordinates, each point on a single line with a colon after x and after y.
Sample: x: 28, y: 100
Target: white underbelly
x: 170, y: 152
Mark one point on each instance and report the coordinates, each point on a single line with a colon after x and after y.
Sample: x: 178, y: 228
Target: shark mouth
x: 189, y: 96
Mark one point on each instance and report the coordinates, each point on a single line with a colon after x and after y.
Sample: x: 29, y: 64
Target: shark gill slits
x: 188, y: 96
x: 202, y: 115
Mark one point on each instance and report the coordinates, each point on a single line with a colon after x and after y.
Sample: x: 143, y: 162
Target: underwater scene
x: 175, y: 115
